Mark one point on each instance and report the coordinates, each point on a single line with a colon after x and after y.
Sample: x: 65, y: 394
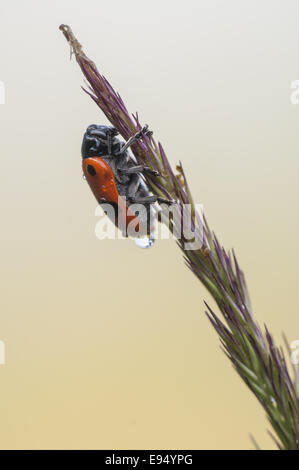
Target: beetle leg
x: 150, y: 200
x: 139, y: 169
x: 134, y: 138
x: 163, y: 200
x: 149, y: 170
x: 134, y: 185
x: 143, y: 200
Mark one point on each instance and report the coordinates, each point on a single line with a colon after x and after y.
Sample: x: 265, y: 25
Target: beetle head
x: 98, y: 140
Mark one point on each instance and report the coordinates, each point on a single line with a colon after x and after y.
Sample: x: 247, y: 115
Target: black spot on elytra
x: 91, y: 170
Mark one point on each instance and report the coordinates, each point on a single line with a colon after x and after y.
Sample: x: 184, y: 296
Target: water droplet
x: 146, y: 242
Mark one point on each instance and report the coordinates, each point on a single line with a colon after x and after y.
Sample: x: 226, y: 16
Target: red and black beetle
x: 116, y: 179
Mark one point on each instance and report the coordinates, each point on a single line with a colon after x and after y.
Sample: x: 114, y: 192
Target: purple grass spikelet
x: 252, y: 350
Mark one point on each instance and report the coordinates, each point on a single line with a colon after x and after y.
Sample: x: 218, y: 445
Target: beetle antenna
x: 109, y: 142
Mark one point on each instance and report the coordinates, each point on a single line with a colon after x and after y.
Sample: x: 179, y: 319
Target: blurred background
x: 107, y: 345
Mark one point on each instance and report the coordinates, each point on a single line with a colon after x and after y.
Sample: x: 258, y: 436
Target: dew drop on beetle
x: 146, y: 242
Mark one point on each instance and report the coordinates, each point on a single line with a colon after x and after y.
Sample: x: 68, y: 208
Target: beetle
x: 115, y: 178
